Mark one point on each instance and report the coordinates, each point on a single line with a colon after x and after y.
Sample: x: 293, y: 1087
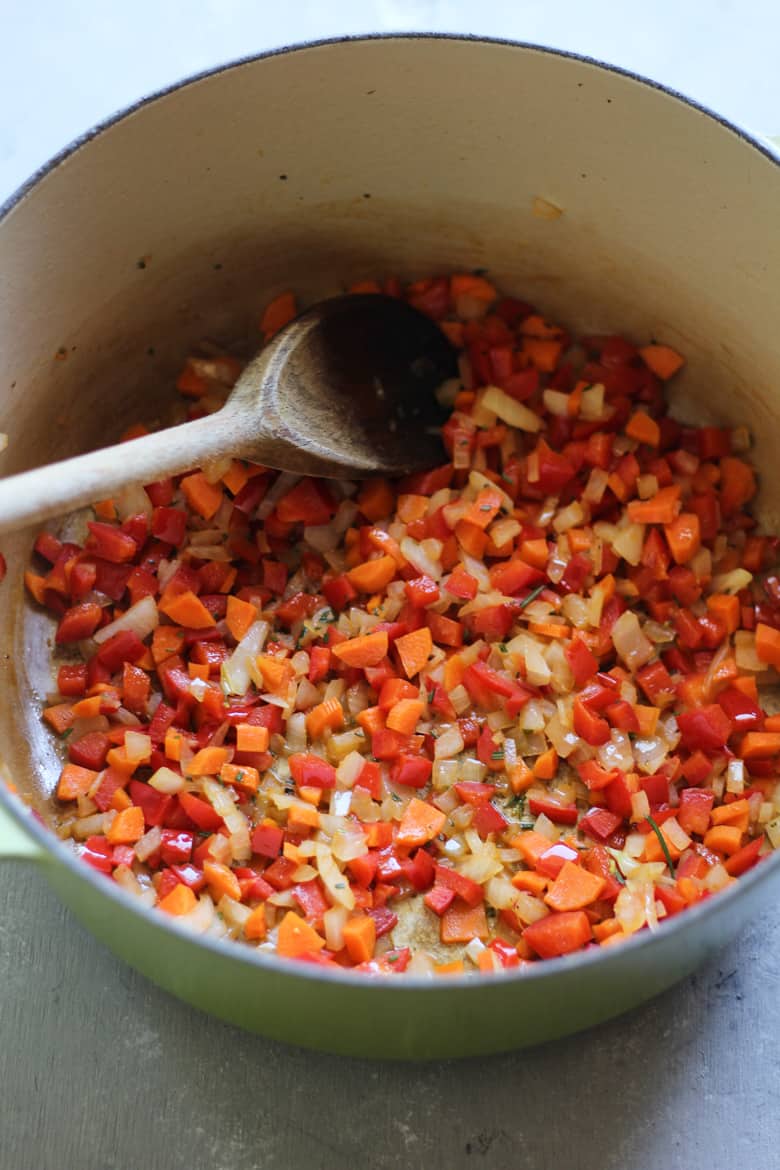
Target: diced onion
x: 142, y: 619
x: 236, y: 674
x: 510, y: 411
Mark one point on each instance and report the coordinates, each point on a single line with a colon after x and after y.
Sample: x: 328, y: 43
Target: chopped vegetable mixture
x: 487, y: 715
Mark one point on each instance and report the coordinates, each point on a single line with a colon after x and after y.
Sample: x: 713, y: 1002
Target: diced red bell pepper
x: 200, y: 812
x: 470, y: 891
x: 385, y: 920
x: 110, y: 543
x: 170, y: 525
x: 189, y: 875
x: 97, y: 852
x: 706, y: 729
x: 656, y: 682
x: 90, y: 751
x: 555, y: 470
x: 111, y: 781
x: 589, y: 726
x: 412, y: 771
x: 618, y: 797
x: 124, y: 646
x: 339, y: 592
x: 553, y: 859
x: 560, y: 814
x: 488, y: 819
x: 311, y: 900
x: 513, y: 576
x: 694, y: 811
x: 422, y: 591
x: 72, y: 680
x: 267, y: 840
x: 279, y: 873
x: 599, y: 823
x: 595, y: 776
x: 445, y: 631
x: 79, y: 622
x: 744, y: 713
x: 671, y: 899
x: 474, y: 792
x: 558, y: 934
x: 656, y: 788
x: 309, y: 502
x: 419, y: 870
x: 363, y: 869
x: 439, y: 899
x: 461, y: 584
x: 745, y: 858
x: 312, y: 771
x: 155, y: 805
x: 176, y: 846
x: 582, y: 661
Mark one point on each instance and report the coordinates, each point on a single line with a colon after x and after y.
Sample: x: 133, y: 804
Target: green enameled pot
x: 311, y: 168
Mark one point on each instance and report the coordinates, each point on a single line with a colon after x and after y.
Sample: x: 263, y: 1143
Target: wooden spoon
x: 346, y: 389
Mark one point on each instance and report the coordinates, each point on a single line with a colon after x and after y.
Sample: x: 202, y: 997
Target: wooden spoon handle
x: 34, y: 496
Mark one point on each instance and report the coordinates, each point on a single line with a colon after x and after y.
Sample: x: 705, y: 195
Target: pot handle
x: 15, y: 844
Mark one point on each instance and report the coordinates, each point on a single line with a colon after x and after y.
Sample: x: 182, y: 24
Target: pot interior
x: 314, y: 168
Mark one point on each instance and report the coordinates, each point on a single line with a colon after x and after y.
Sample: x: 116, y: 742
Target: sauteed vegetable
x: 481, y: 717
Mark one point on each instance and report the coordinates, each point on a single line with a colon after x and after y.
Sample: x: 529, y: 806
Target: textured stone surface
x: 101, y: 1071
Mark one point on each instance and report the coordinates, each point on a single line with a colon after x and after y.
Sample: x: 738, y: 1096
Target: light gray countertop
x: 101, y: 1071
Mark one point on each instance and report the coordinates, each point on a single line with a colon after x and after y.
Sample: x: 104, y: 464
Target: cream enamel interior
x: 339, y: 161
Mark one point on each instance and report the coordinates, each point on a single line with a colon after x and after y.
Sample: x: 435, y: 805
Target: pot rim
x: 232, y: 949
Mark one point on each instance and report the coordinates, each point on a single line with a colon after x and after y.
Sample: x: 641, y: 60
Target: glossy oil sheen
x: 312, y: 169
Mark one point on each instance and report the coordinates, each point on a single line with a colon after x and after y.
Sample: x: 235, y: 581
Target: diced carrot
x: 410, y: 508
x: 546, y: 765
x: 420, y: 823
x: 768, y: 644
x: 221, y: 880
x: 544, y: 354
x: 371, y: 719
x: 105, y: 510
x: 186, y: 609
x: 376, y: 499
x: 295, y: 937
x: 166, y: 642
x: 460, y: 923
x: 683, y: 536
x: 75, y: 781
x: 293, y: 853
x: 207, y: 762
x: 325, y: 716
x: 653, y: 850
x: 173, y: 743
x: 772, y: 722
x: 365, y: 650
x: 758, y: 745
x: 647, y: 718
x: 471, y: 539
x: 118, y: 758
x: 466, y: 284
x: 454, y: 670
x: 241, y: 776
x: 277, y: 673
x: 359, y: 935
x: 240, y: 616
x: 385, y: 543
x: 278, y: 313
x: 726, y: 607
x: 120, y: 800
x: 535, y: 552
x: 644, y: 429
x: 373, y: 576
x: 456, y: 967
x: 60, y: 717
x: 662, y: 508
x: 574, y: 888
x: 662, y: 360
x: 405, y: 715
x: 203, y: 497
x: 746, y: 683
x: 531, y: 845
x: 724, y: 839
x: 127, y: 826
x: 533, y: 883
x: 736, y: 813
x: 301, y: 818
x: 520, y: 777
x: 609, y: 928
x: 199, y: 670
x: 251, y: 739
x: 236, y: 477
x: 550, y: 629
x: 737, y: 484
x: 413, y: 650
x: 181, y: 900
x: 255, y: 928
x: 35, y: 585
x: 483, y: 511
x: 86, y: 708
x: 618, y: 486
